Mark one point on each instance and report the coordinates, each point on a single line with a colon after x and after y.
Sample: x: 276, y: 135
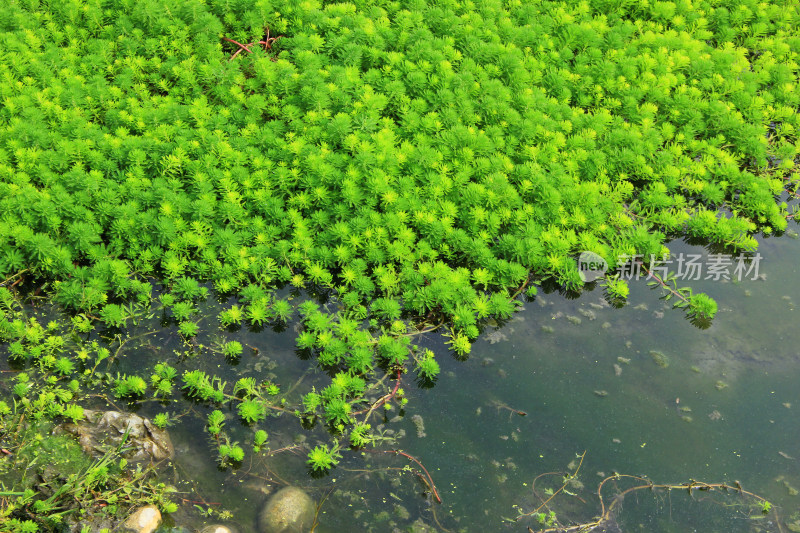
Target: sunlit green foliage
x: 430, y: 153
x: 323, y: 458
x: 419, y: 165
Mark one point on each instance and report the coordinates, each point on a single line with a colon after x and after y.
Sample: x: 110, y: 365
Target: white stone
x: 144, y: 520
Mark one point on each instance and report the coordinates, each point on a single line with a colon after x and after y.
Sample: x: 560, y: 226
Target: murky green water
x: 724, y: 409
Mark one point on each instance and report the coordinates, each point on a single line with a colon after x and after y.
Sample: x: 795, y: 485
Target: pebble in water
x: 217, y: 528
x: 144, y: 520
x: 290, y: 510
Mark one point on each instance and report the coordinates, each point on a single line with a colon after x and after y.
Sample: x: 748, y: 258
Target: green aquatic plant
x: 230, y: 452
x: 427, y: 367
x: 162, y: 420
x: 659, y: 358
x: 415, y: 169
x: 49, y: 480
x: 252, y: 411
x: 361, y: 436
x: 259, y: 440
x: 216, y: 419
x: 232, y: 349
x: 322, y: 458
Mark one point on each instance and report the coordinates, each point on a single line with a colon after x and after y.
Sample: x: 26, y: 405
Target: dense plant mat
x: 419, y: 165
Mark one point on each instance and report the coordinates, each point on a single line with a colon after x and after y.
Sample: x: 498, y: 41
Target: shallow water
x: 722, y: 410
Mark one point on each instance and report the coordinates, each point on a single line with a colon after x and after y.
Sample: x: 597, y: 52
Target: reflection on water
x: 639, y: 389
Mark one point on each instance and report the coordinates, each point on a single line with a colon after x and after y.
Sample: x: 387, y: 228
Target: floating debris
x: 787, y: 405
x: 792, y: 491
x: 687, y: 418
x: 786, y: 456
x: 628, y: 344
x: 794, y: 527
x: 558, y: 315
x: 574, y: 319
x: 547, y: 329
x: 596, y: 306
x: 623, y: 360
x: 659, y: 358
x: 419, y: 424
x: 719, y: 385
x: 617, y: 370
x: 575, y: 484
x: 601, y: 393
x: 589, y: 314
x: 640, y: 307
x: 695, y: 369
x: 715, y: 415
x: 606, y: 325
x: 658, y: 314
x: 685, y: 409
x: 401, y: 512
x: 616, y: 441
x: 496, y: 336
x: 500, y: 405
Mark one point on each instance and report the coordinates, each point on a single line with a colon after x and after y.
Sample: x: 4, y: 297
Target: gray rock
x: 100, y: 430
x: 290, y: 510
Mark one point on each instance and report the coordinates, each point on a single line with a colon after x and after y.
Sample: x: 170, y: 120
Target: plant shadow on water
x: 641, y: 390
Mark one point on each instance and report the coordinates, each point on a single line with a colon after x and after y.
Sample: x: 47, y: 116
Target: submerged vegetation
x: 407, y: 167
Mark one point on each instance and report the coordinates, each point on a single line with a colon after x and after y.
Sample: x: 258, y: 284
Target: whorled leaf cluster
x: 418, y: 161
